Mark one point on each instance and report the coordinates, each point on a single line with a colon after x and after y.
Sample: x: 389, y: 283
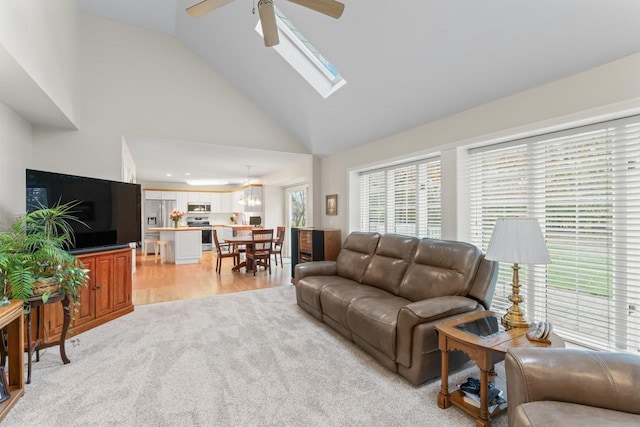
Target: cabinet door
x: 215, y: 203
x: 52, y: 320
x: 225, y: 202
x: 182, y: 199
x: 121, y: 280
x: 103, y: 288
x: 87, y: 296
x: 153, y: 195
x: 169, y: 195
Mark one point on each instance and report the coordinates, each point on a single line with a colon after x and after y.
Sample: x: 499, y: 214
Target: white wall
x: 15, y: 146
x: 41, y: 36
x: 137, y: 82
x: 600, y: 93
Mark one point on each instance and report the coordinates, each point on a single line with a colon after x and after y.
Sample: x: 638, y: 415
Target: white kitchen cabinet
x: 182, y: 198
x: 199, y: 196
x: 226, y: 203
x: 159, y: 195
x: 215, y: 203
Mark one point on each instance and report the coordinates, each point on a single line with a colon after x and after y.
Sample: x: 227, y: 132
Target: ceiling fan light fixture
x: 268, y: 21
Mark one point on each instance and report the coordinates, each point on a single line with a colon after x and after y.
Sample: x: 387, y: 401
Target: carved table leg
x: 65, y: 327
x: 443, y: 398
x: 484, y: 400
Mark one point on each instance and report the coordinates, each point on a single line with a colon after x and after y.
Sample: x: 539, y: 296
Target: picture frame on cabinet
x: 332, y: 204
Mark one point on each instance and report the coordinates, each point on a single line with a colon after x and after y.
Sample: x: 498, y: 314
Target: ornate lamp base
x: 514, y: 317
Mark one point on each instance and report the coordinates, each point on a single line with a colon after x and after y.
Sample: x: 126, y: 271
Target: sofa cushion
x: 440, y: 268
x: 561, y: 414
x: 374, y: 320
x: 390, y: 261
x: 308, y: 289
x: 336, y: 299
x: 355, y: 255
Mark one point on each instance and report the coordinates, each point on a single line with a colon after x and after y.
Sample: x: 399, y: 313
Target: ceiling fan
x: 266, y: 10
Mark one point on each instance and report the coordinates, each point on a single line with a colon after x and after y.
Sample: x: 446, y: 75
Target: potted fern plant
x: 34, y: 260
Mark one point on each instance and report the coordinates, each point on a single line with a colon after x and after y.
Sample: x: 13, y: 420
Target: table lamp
x: 518, y: 241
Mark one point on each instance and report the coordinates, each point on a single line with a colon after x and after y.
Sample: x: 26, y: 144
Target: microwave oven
x: 198, y: 207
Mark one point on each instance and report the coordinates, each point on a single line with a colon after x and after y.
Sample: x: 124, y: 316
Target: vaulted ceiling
x: 406, y: 63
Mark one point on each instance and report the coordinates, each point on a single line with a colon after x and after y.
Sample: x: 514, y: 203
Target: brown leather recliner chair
x: 568, y: 387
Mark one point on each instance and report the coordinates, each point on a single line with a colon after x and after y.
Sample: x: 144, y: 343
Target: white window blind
x: 403, y: 199
x: 583, y: 186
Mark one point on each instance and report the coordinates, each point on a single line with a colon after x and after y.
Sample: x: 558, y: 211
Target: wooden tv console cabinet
x: 106, y: 296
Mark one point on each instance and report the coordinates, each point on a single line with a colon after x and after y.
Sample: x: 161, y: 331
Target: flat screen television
x: 111, y: 209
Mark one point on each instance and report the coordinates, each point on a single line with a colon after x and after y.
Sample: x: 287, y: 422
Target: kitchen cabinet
x: 182, y: 199
x: 159, y: 195
x: 226, y: 204
x: 106, y: 296
x: 215, y: 203
x: 199, y: 196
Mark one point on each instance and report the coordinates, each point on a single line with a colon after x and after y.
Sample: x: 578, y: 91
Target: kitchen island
x: 185, y: 243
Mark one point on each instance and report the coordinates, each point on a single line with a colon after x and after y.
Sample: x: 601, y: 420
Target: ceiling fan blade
x: 205, y: 6
x: 268, y: 21
x: 330, y: 8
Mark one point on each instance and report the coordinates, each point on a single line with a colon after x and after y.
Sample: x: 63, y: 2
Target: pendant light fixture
x: 249, y: 199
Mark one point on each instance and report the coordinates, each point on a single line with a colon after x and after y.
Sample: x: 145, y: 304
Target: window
x: 402, y: 199
x: 583, y: 186
x: 305, y: 58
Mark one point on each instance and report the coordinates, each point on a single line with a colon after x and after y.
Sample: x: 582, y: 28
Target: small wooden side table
x: 481, y: 350
x: 11, y: 318
x: 36, y: 303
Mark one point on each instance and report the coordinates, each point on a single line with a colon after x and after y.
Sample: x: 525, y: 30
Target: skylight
x: 305, y: 58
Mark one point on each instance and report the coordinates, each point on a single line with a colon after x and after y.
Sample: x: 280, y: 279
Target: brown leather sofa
x: 568, y: 387
x: 386, y: 293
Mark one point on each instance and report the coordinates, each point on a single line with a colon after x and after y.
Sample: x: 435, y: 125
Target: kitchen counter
x: 173, y: 229
x: 186, y: 243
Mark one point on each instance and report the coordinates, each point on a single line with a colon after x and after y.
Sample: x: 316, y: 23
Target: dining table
x: 238, y: 241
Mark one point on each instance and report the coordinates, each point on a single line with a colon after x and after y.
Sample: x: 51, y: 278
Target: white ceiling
x: 156, y: 157
x: 406, y: 63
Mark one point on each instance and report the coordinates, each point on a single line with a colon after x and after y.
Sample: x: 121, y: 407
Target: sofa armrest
x: 315, y: 268
x: 426, y: 311
x: 592, y: 378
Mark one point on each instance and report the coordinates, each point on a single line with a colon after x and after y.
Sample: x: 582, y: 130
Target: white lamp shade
x: 518, y: 240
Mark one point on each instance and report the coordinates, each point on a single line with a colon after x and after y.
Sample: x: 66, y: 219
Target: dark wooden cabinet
x: 106, y: 296
x: 314, y: 244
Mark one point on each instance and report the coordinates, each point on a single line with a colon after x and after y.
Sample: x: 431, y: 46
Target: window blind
x: 403, y: 199
x: 583, y: 186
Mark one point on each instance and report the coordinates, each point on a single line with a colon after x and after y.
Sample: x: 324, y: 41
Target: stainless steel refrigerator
x: 156, y: 214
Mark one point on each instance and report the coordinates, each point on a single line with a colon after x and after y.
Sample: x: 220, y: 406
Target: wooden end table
x: 483, y: 351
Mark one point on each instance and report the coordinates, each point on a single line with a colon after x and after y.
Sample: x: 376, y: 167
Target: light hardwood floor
x: 155, y: 282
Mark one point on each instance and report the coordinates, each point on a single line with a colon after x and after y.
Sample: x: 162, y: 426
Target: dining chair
x: 231, y: 252
x: 277, y: 245
x: 259, y: 252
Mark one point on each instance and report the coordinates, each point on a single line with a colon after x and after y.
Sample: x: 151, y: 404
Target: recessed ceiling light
x: 169, y: 174
x: 206, y: 182
x: 187, y: 174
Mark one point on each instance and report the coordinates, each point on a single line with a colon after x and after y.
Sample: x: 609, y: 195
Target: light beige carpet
x: 246, y: 359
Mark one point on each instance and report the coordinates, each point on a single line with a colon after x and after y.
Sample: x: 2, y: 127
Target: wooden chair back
x: 262, y: 240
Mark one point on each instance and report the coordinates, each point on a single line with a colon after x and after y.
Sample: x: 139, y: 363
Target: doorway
x: 297, y: 211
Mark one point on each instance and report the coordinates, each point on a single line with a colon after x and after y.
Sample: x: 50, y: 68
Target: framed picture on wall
x: 332, y: 204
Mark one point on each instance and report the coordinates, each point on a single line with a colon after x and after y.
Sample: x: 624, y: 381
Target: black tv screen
x: 110, y: 209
